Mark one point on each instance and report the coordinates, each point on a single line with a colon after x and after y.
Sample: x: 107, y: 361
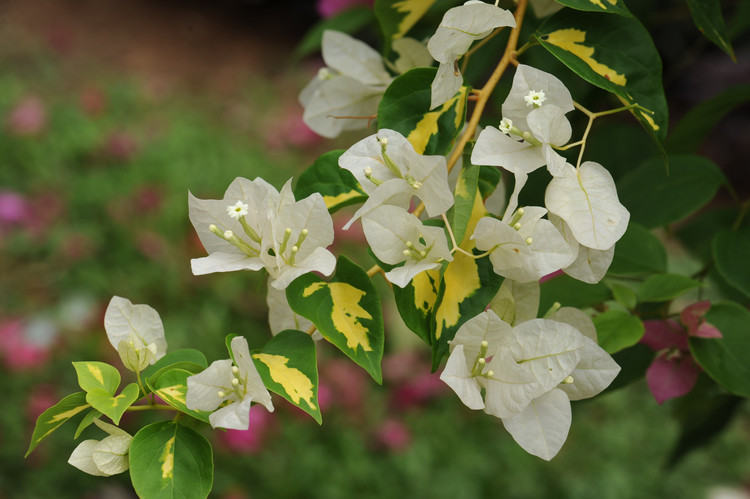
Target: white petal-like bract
x: 542, y: 428
x: 586, y: 199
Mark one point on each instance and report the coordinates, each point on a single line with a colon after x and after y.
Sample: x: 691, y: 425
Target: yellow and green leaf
x: 113, y: 406
x: 171, y: 387
x: 397, y: 17
x: 615, y: 53
x: 467, y: 286
x: 405, y: 107
x: 54, y: 417
x: 171, y: 460
x: 345, y: 310
x: 606, y: 6
x: 338, y: 187
x: 288, y: 366
x: 97, y: 376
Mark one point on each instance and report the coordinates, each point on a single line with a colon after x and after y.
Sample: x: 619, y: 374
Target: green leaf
x: 655, y: 197
x: 171, y: 387
x: 466, y: 286
x: 55, y: 416
x: 605, y: 6
x: 707, y: 18
x: 288, y: 366
x: 345, y: 310
x: 113, y: 407
x: 617, y: 330
x: 614, y: 53
x: 638, y: 252
x: 348, y: 21
x: 731, y: 252
x: 624, y: 296
x: 396, y: 17
x: 725, y: 359
x: 405, y: 107
x: 171, y: 460
x: 338, y: 187
x: 700, y: 121
x: 463, y: 200
x: 97, y: 376
x: 665, y: 287
x: 416, y: 302
x: 489, y: 177
x: 570, y: 292
x: 86, y: 421
x: 185, y: 358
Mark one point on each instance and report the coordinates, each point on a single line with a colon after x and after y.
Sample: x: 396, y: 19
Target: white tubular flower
x: 233, y: 229
x: 105, y: 457
x: 299, y: 235
x: 136, y: 332
x: 233, y: 386
x: 525, y: 249
x: 460, y: 27
x: 351, y: 86
x: 390, y: 171
x: 586, y: 199
x: 396, y: 236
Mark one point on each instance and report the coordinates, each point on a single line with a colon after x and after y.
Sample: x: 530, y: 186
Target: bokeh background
x: 111, y: 110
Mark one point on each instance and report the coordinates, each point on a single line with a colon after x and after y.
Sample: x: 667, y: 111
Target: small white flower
x: 223, y: 381
x: 237, y: 210
x: 506, y: 126
x: 535, y: 98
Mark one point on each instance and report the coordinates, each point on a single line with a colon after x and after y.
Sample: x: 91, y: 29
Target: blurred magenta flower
x: 348, y: 385
x: 674, y: 372
x: 41, y: 398
x: 120, y: 146
x: 329, y: 8
x: 415, y: 385
x: 393, y: 435
x: 289, y: 130
x: 24, y: 345
x: 28, y: 117
x: 14, y: 208
x: 147, y: 199
x: 250, y: 441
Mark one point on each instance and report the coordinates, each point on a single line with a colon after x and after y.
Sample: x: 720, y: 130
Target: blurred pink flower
x: 251, y: 440
x: 418, y: 391
x: 20, y: 352
x: 14, y: 208
x: 41, y: 398
x: 289, y: 130
x: 151, y: 244
x: 693, y: 318
x: 393, y: 435
x: 329, y: 8
x: 548, y: 277
x: 674, y: 372
x: 120, y: 146
x: 148, y: 199
x: 348, y: 384
x: 28, y: 117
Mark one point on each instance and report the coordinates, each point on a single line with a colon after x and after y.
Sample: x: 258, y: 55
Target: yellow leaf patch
x: 426, y: 290
x: 341, y: 198
x: 461, y: 276
x: 346, y: 312
x: 599, y: 3
x: 572, y: 39
x: 428, y: 125
x: 295, y: 383
x: 414, y: 10
x: 167, y: 460
x: 96, y: 373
